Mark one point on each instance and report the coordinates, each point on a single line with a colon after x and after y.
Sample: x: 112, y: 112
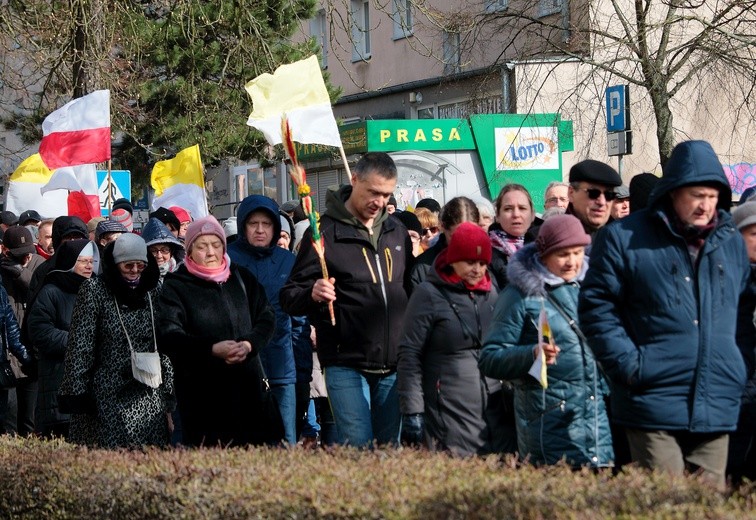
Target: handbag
x: 272, y: 429
x: 7, y: 377
x: 145, y: 366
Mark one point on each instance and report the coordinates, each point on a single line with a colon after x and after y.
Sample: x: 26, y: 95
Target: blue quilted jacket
x: 568, y: 419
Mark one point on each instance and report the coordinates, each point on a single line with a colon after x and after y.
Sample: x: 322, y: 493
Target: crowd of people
x: 616, y: 326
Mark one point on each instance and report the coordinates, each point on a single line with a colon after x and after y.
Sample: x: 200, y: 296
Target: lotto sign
x: 527, y: 148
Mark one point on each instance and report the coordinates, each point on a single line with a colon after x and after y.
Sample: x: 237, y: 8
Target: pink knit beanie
x: 204, y: 226
x: 560, y: 231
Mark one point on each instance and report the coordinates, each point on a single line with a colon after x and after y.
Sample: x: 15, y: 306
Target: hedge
x: 55, y: 480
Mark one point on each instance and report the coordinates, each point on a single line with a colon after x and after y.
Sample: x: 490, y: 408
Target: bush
x: 55, y: 480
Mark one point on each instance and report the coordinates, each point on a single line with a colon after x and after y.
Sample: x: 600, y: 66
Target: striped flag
x: 180, y: 182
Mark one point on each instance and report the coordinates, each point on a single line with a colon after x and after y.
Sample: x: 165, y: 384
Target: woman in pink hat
x: 567, y: 419
x: 215, y: 321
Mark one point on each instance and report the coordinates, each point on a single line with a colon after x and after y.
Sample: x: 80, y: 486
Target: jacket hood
x: 155, y: 232
x: 691, y: 163
x: 68, y: 253
x: 258, y: 203
x: 526, y: 272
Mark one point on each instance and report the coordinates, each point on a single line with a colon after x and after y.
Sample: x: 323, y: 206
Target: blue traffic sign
x: 617, y: 108
x: 120, y: 188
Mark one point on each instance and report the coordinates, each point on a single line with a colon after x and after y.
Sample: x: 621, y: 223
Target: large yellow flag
x: 296, y: 90
x: 180, y: 182
x: 24, y: 187
x: 185, y: 168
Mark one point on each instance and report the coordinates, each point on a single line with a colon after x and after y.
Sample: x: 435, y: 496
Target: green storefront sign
x: 392, y: 135
x: 524, y: 149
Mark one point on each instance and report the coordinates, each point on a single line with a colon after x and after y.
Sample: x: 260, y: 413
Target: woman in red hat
x: 442, y: 395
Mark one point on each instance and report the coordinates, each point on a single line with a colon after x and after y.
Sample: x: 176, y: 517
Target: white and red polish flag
x: 78, y: 132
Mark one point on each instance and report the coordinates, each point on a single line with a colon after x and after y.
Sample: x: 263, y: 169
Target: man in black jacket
x: 368, y: 257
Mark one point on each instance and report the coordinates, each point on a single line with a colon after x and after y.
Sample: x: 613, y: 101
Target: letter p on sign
x: 617, y: 115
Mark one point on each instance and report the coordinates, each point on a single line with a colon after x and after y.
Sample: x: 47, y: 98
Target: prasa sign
x: 419, y: 134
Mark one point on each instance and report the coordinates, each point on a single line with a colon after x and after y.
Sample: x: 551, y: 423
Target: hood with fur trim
x: 526, y: 272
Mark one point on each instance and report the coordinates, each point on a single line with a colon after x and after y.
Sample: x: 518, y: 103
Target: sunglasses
x: 594, y: 193
x: 130, y: 266
x: 432, y: 230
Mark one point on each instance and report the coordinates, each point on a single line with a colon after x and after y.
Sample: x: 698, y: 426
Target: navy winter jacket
x: 271, y: 266
x: 664, y: 328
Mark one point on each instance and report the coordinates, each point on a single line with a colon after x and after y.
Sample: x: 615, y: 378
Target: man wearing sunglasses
x: 591, y: 193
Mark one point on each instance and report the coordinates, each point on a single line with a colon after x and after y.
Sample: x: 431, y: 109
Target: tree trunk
x: 664, y: 128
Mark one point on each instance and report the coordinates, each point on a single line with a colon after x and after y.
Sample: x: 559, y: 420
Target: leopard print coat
x: 120, y: 411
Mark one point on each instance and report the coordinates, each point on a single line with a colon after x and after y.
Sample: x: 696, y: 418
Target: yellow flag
x: 32, y: 170
x: 185, y: 168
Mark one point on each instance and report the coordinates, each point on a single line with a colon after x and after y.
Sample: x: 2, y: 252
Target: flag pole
x: 110, y: 190
x: 346, y: 163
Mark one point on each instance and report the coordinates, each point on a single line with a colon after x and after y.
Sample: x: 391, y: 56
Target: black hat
x: 19, y: 241
x: 430, y: 204
x: 410, y: 221
x: 640, y: 189
x: 595, y: 171
x: 123, y: 204
x: 167, y: 217
x: 391, y: 201
x: 29, y: 215
x: 8, y: 218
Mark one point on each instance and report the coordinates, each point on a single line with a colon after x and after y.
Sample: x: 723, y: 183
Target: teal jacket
x: 567, y: 420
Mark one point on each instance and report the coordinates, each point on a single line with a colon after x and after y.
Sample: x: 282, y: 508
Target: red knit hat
x: 469, y: 242
x: 181, y: 214
x: 560, y: 231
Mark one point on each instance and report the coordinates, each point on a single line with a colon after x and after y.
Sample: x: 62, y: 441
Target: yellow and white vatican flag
x: 298, y: 92
x: 180, y: 182
x: 24, y: 190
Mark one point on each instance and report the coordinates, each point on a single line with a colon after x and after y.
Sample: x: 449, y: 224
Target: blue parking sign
x: 617, y: 108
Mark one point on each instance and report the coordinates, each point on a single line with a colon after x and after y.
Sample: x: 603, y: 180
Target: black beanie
x: 640, y: 189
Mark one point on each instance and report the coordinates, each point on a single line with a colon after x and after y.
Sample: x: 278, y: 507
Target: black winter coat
x: 438, y: 371
x: 218, y: 403
x: 49, y: 322
x: 371, y: 295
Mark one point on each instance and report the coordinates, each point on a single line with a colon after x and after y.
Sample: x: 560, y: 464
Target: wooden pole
x: 110, y: 190
x: 346, y: 163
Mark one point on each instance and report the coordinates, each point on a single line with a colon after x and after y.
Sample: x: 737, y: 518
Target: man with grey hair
x: 555, y: 195
x: 368, y: 256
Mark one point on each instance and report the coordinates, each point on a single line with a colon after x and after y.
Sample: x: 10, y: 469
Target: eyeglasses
x: 554, y: 200
x: 130, y: 266
x: 432, y: 230
x: 85, y: 261
x: 160, y: 250
x: 594, y: 193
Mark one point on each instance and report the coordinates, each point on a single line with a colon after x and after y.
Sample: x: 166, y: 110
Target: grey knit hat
x: 129, y: 248
x: 745, y: 214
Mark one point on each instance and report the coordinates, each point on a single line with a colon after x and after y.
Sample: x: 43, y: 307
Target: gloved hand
x: 413, y: 429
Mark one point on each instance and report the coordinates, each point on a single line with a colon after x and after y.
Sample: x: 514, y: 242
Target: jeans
x: 365, y: 406
x: 287, y: 403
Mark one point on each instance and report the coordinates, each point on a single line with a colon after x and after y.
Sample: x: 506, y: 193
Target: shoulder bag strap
x: 573, y: 324
x: 465, y: 327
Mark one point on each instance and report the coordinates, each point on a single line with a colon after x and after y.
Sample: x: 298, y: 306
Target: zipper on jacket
x: 370, y: 267
x: 385, y: 310
x: 477, y: 318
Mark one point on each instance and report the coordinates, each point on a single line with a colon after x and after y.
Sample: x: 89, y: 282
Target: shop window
x: 254, y: 180
x: 451, y: 53
x: 491, y: 6
x: 402, y: 18
x: 547, y: 7
x: 319, y: 31
x: 360, y: 30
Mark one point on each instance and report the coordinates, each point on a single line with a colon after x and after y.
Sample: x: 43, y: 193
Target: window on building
x: 251, y: 179
x: 402, y: 18
x: 547, y: 7
x: 360, y: 30
x: 460, y: 109
x: 451, y: 53
x: 319, y: 31
x: 491, y: 6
